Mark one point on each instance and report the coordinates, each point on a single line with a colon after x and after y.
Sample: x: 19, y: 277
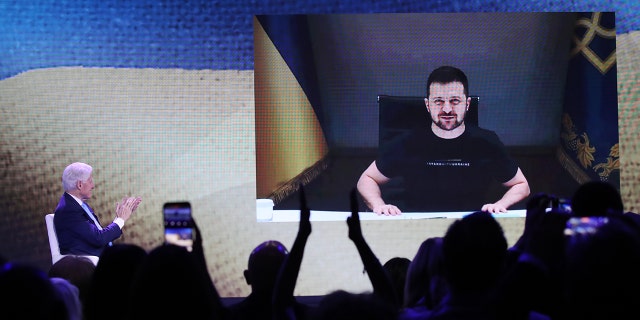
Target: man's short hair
x: 73, y: 173
x: 448, y: 74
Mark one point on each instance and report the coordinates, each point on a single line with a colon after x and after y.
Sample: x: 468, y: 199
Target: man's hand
x: 126, y: 207
x: 136, y: 203
x: 369, y: 188
x: 518, y: 190
x: 387, y: 210
x: 494, y: 208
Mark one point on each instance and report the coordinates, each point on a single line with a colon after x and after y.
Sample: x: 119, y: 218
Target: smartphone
x: 560, y: 205
x: 178, y: 224
x: 584, y: 226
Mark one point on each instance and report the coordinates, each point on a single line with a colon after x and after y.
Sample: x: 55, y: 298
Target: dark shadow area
x: 312, y: 301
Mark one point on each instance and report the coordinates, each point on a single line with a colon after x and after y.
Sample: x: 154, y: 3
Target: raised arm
x: 198, y: 254
x: 382, y: 285
x: 286, y: 282
x: 369, y: 188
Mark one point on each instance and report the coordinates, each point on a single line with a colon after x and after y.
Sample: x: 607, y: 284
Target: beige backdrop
x: 176, y: 135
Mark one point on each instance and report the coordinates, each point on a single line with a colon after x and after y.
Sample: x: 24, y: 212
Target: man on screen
x: 446, y: 166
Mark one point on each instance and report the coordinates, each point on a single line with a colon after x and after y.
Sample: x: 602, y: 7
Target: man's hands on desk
x: 391, y: 210
x: 387, y: 210
x: 494, y: 208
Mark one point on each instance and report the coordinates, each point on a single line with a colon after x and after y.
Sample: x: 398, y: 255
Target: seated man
x: 445, y: 166
x: 78, y: 229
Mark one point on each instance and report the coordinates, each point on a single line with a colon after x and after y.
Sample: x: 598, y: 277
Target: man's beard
x: 448, y: 125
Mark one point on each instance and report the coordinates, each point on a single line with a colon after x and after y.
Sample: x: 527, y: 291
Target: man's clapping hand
x: 127, y: 206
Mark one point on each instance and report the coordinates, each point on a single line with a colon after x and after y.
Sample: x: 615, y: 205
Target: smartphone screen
x: 584, y: 226
x: 178, y: 224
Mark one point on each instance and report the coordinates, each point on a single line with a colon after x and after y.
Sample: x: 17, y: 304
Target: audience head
x: 397, y: 268
x: 70, y: 295
x: 171, y: 284
x: 27, y: 293
x: 474, y: 250
x: 264, y: 264
x: 113, y: 277
x: 342, y: 305
x: 596, y: 198
x: 425, y: 282
x: 78, y: 270
x: 73, y: 173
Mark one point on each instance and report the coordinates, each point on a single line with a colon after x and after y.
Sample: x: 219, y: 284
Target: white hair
x: 73, y: 173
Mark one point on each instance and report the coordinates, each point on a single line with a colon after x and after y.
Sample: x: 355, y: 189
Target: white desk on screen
x: 265, y: 213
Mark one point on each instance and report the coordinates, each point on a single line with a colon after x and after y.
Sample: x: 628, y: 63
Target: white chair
x: 53, y: 242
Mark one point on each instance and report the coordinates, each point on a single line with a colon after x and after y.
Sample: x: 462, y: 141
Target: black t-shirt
x: 445, y: 174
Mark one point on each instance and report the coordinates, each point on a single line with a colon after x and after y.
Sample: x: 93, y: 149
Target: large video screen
x: 319, y: 121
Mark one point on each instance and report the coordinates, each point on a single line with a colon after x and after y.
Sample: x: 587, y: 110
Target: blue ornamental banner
x: 589, y: 139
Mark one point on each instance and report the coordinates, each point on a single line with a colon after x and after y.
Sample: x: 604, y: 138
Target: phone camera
x: 560, y: 205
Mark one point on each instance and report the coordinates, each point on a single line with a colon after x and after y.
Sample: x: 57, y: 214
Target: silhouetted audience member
x: 70, y: 295
x: 474, y: 250
x: 585, y: 265
x: 532, y: 284
x: 78, y: 270
x: 263, y: 267
x: 396, y: 269
x: 27, y: 293
x: 382, y: 303
x: 343, y: 305
x: 602, y: 274
x: 169, y: 285
x: 596, y: 198
x: 332, y: 306
x: 425, y: 286
x: 284, y: 304
x: 537, y: 273
x: 382, y: 285
x: 173, y: 283
x: 113, y: 277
